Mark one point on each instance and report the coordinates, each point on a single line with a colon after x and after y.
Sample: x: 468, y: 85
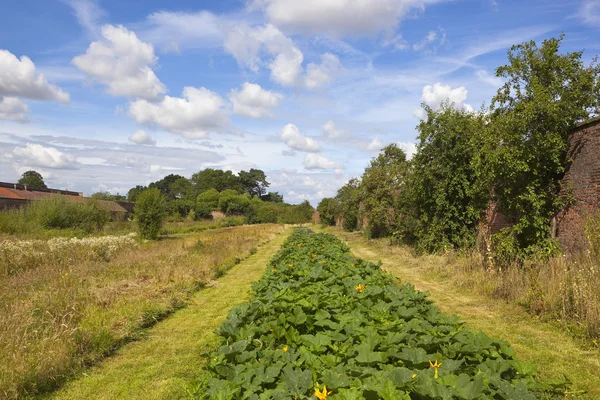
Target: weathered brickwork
x: 582, y: 181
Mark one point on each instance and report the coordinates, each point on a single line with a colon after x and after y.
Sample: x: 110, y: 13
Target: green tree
x: 210, y: 198
x: 166, y: 186
x: 133, y: 193
x: 253, y: 182
x: 380, y: 187
x: 104, y: 195
x: 545, y: 95
x: 215, y: 179
x: 33, y: 179
x: 150, y: 212
x: 328, y: 209
x: 273, y: 197
x: 447, y: 196
x: 348, y: 199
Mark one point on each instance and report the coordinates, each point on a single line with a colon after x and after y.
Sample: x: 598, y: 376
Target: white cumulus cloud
x: 293, y: 138
x: 36, y: 155
x: 253, y: 101
x: 374, y: 145
x: 330, y: 130
x: 19, y: 78
x: 316, y: 161
x: 142, y: 137
x: 248, y: 45
x: 122, y: 62
x: 194, y: 115
x: 13, y: 109
x: 338, y: 17
x: 318, y: 75
x: 433, y: 96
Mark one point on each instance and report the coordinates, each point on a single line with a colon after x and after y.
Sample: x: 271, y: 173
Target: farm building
x: 14, y: 195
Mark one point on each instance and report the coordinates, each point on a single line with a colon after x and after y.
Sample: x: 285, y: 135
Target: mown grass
x: 168, y: 361
x: 70, y: 312
x: 457, y: 288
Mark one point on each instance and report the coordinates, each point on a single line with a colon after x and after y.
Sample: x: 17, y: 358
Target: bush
x: 150, y: 212
x: 53, y: 213
x: 210, y: 198
x: 202, y: 211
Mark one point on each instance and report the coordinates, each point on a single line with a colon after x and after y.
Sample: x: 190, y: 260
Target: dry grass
x: 565, y: 289
x: 69, y: 312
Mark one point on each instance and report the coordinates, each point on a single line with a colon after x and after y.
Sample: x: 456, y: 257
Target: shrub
x: 210, y: 198
x: 53, y: 213
x: 202, y: 211
x: 150, y: 212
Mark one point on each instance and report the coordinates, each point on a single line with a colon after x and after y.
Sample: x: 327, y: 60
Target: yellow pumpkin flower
x: 285, y: 349
x: 273, y: 270
x: 413, y: 376
x: 435, y: 365
x: 314, y: 255
x: 291, y: 265
x: 359, y: 288
x: 322, y: 394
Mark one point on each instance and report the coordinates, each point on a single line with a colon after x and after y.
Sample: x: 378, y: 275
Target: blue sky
x: 105, y: 95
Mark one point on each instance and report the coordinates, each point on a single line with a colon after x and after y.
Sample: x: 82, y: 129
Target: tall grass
x: 564, y: 288
x: 69, y: 312
x: 53, y: 213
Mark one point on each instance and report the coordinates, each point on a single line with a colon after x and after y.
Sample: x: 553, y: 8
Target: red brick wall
x: 582, y: 180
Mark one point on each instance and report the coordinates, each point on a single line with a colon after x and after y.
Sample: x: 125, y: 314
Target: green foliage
x: 53, y: 213
x: 133, y: 193
x: 202, y: 211
x: 253, y: 182
x: 445, y: 196
x: 150, y: 213
x: 320, y: 317
x: 546, y: 93
x: 273, y: 197
x: 108, y: 196
x: 215, y: 179
x: 297, y: 214
x: 33, y: 179
x: 210, y: 198
x: 328, y: 210
x: 348, y: 198
x: 381, y: 185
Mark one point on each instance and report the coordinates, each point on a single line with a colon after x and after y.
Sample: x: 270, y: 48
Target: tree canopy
x: 33, y: 179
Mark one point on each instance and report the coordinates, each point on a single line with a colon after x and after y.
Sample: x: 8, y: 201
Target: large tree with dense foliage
x: 545, y: 95
x: 215, y: 179
x: 253, y: 182
x: 33, y: 179
x: 348, y: 202
x: 328, y: 209
x: 380, y: 187
x: 445, y: 196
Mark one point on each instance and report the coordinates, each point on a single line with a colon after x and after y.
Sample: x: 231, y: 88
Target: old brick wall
x: 582, y: 182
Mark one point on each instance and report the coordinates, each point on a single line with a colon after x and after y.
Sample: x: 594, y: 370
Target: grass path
x: 547, y: 346
x: 160, y: 365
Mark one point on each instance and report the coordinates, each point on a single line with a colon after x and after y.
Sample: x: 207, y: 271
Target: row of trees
x: 513, y: 154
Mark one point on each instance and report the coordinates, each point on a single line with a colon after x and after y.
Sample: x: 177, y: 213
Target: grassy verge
x: 544, y: 344
x: 161, y: 365
x: 69, y: 312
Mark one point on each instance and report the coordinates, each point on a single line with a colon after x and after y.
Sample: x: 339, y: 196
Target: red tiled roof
x: 9, y: 194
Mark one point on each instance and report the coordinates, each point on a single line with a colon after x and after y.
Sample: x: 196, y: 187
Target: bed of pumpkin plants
x: 325, y: 325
